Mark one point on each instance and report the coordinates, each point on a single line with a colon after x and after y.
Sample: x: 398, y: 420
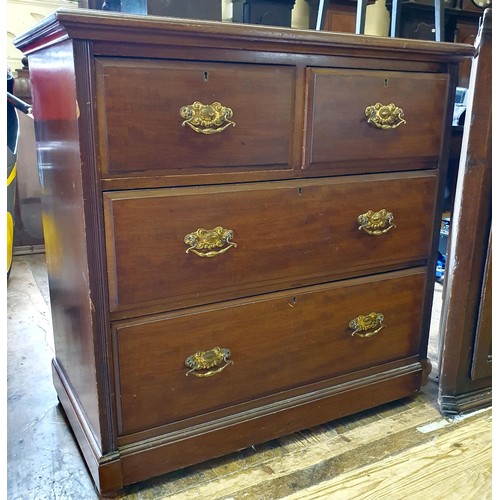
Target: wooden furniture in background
x: 339, y: 15
x: 416, y: 20
x: 267, y: 12
x: 218, y: 275
x: 191, y: 9
x: 466, y: 329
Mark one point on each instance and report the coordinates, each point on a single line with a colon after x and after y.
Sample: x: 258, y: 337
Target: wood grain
x: 338, y: 131
x: 279, y: 343
x: 121, y: 280
x: 466, y: 451
x: 261, y: 97
x: 308, y: 233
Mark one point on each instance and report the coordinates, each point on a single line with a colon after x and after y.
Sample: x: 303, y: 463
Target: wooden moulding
x: 148, y: 458
x: 85, y: 24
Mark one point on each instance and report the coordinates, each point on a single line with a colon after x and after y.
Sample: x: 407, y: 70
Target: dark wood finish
x: 416, y: 19
x: 289, y: 340
x: 95, y: 228
x: 154, y: 457
x: 318, y: 216
x: 65, y: 233
x: 190, y: 9
x: 267, y: 12
x: 338, y: 131
x: 466, y: 327
x: 261, y: 97
x: 466, y: 30
x: 483, y: 347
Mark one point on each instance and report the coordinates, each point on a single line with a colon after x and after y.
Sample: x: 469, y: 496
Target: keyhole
x: 300, y: 190
x: 205, y: 76
x: 386, y: 82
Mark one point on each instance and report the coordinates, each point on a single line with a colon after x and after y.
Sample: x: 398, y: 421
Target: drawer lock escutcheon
x: 385, y: 116
x: 365, y: 326
x: 203, y: 242
x: 376, y: 223
x: 202, y: 361
x: 207, y: 118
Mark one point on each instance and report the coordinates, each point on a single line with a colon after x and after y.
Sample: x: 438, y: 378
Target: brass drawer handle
x: 207, y: 118
x: 203, y: 241
x: 385, y: 116
x: 376, y: 223
x: 373, y: 321
x: 204, y: 360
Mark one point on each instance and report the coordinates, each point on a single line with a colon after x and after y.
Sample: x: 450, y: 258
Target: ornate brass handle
x: 385, y: 116
x: 207, y: 118
x: 376, y: 223
x: 373, y: 321
x: 204, y: 360
x: 203, y: 241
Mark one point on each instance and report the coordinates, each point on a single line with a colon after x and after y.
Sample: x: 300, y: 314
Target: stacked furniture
x: 465, y: 371
x: 240, y: 226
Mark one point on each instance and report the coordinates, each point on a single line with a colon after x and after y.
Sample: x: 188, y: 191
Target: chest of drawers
x: 240, y: 225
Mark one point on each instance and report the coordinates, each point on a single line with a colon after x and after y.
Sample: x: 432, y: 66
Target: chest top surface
x: 117, y: 28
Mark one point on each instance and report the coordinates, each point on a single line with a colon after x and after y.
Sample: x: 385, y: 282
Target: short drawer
x: 179, y: 247
x: 267, y: 344
x: 165, y: 117
x: 364, y: 121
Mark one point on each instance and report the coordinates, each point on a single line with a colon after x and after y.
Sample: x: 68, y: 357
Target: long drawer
x: 179, y: 365
x: 171, y: 117
x: 359, y: 121
x: 179, y: 247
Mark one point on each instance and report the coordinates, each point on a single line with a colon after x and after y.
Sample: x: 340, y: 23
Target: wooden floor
x: 401, y: 450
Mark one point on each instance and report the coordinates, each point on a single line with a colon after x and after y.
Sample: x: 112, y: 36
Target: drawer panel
x: 284, y: 234
x: 339, y: 134
x: 142, y: 131
x: 276, y: 342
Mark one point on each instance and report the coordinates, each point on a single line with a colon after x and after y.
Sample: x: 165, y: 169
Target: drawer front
x: 143, y: 130
x: 343, y: 135
x: 276, y: 342
x: 179, y: 247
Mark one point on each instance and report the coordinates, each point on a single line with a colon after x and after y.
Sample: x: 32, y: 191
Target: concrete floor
x: 44, y: 461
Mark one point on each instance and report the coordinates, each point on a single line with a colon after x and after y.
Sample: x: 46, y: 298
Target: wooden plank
x: 455, y: 464
x: 306, y: 457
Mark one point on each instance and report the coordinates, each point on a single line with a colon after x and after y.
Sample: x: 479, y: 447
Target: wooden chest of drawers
x: 240, y: 225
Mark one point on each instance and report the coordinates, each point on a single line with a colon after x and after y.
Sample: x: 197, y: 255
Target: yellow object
x: 207, y: 118
x: 10, y: 220
x: 375, y: 222
x: 12, y: 176
x: 202, y: 242
x: 373, y: 321
x: 10, y: 239
x: 385, y: 116
x: 203, y: 360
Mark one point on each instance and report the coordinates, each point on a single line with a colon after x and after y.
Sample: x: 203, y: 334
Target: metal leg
x: 361, y: 17
x: 395, y: 18
x: 320, y: 20
x: 439, y: 19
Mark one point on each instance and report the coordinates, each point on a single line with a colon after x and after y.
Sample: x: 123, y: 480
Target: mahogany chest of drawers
x: 240, y: 227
